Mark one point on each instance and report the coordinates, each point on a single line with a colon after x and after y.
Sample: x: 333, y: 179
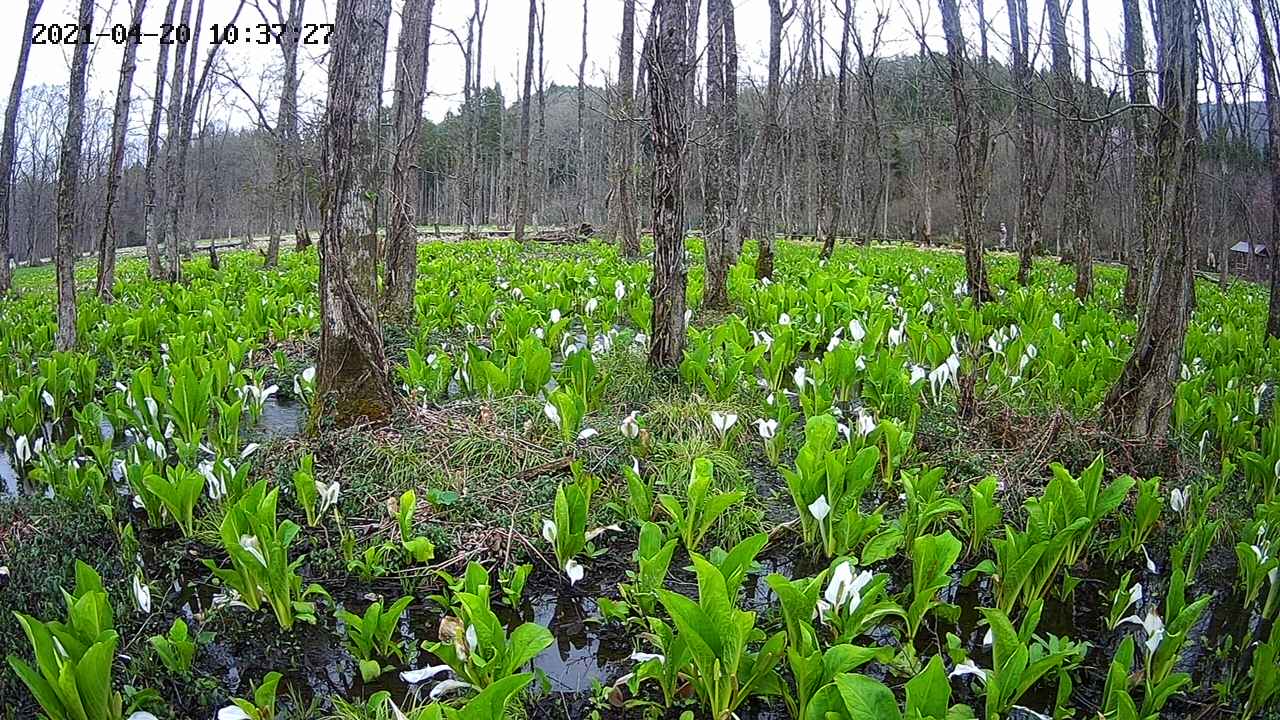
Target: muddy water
x: 587, y: 651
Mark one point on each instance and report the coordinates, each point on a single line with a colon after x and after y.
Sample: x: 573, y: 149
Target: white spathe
x: 767, y: 428
x: 723, y: 421
x: 413, y: 677
x: 630, y: 426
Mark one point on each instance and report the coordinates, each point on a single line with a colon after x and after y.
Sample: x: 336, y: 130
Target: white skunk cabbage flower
x: 574, y: 571
x: 856, y: 331
x: 865, y: 423
x: 552, y: 413
x: 1152, y: 627
x: 820, y: 508
x: 141, y: 594
x: 967, y: 667
x: 844, y: 590
x: 251, y: 545
x: 767, y: 428
x: 630, y: 426
x: 723, y: 421
x: 413, y: 677
x: 328, y: 493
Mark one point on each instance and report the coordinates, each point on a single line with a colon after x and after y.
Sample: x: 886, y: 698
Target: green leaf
x: 867, y: 699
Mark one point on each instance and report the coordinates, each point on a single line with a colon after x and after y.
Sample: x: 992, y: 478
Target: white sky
x: 504, y: 43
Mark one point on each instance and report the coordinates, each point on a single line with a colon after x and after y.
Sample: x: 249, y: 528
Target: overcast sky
x: 504, y: 43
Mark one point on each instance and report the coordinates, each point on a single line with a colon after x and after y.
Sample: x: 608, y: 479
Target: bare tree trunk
x: 411, y: 90
x: 1064, y: 90
x: 1141, y: 249
x: 286, y: 134
x: 714, y: 238
x: 119, y: 129
x: 1271, y: 92
x: 1028, y: 226
x: 668, y: 69
x: 522, y: 199
x: 1139, y: 405
x: 151, y: 212
x: 9, y: 146
x: 68, y: 183
x: 772, y: 132
x: 173, y: 134
x: 730, y: 151
x: 623, y: 206
x: 580, y: 174
x: 352, y: 378
x: 830, y: 197
x: 970, y: 162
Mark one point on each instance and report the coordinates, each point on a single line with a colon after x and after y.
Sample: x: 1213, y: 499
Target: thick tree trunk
x: 286, y: 137
x: 119, y: 128
x: 522, y: 196
x: 1140, y: 404
x: 411, y: 90
x: 715, y: 292
x: 831, y: 181
x: 1064, y: 90
x: 668, y: 76
x: 9, y: 146
x: 1271, y: 93
x: 580, y: 169
x: 68, y: 182
x: 173, y: 173
x: 352, y: 379
x: 623, y: 207
x: 152, y: 213
x: 772, y: 144
x: 1141, y: 246
x: 730, y: 151
x: 970, y: 162
x: 1028, y: 226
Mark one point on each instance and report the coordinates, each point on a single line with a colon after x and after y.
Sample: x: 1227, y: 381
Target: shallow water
x: 282, y: 418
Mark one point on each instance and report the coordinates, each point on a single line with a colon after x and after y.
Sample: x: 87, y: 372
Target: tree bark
x: 119, y: 129
x: 1064, y: 90
x: 412, y: 59
x: 286, y: 136
x: 1140, y: 404
x: 668, y: 77
x: 831, y: 182
x: 772, y: 132
x: 731, y: 151
x: 970, y: 161
x: 1271, y: 93
x: 1136, y: 68
x: 580, y: 170
x: 68, y: 183
x: 715, y: 292
x: 9, y: 146
x: 1029, y: 205
x: 151, y: 213
x: 522, y: 196
x: 173, y: 173
x: 351, y: 376
x: 623, y: 206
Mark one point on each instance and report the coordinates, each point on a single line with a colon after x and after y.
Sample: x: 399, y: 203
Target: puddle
x: 8, y: 475
x: 584, y: 651
x: 281, y: 418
